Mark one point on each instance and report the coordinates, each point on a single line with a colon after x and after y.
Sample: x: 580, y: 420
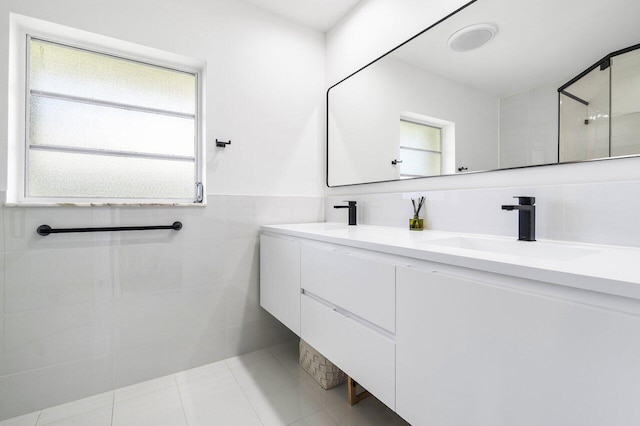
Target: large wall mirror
x: 498, y: 84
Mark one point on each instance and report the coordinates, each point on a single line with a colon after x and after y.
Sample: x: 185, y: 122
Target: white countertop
x: 606, y: 269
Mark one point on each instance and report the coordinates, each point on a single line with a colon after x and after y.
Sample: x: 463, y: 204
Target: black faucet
x: 526, y: 217
x: 352, y: 211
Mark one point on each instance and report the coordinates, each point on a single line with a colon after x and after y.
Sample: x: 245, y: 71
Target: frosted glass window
x: 420, y: 150
x: 420, y: 136
x: 101, y: 126
x: 58, y: 122
x: 420, y: 163
x: 128, y: 177
x: 70, y: 71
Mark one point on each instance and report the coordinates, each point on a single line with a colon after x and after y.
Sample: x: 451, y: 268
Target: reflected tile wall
x: 602, y: 213
x: 529, y: 127
x: 85, y: 313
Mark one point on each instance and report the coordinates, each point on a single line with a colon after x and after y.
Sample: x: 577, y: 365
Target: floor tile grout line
x: 201, y: 375
x: 297, y: 379
x: 38, y: 419
x: 66, y: 363
x: 184, y: 411
x: 113, y: 406
x: 285, y: 367
x: 76, y: 414
x: 336, y: 420
x: 247, y: 362
x: 148, y: 392
x: 297, y: 385
x: 246, y: 397
x: 309, y: 415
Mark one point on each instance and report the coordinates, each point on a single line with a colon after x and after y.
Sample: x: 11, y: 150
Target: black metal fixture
x: 574, y: 97
x: 327, y: 103
x: 462, y: 168
x: 526, y: 217
x: 222, y: 144
x: 394, y: 162
x: 352, y: 211
x: 45, y: 230
x: 603, y: 64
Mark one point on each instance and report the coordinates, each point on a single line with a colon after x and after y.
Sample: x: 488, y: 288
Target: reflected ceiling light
x: 472, y: 37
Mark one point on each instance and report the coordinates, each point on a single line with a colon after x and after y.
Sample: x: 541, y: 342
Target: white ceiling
x: 538, y: 42
x: 318, y: 14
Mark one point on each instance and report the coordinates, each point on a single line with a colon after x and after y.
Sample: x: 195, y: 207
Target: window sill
x: 42, y: 204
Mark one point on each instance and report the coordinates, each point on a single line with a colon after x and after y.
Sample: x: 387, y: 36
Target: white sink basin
x: 535, y: 249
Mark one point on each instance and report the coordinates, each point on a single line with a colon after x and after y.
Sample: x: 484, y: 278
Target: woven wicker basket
x: 320, y: 368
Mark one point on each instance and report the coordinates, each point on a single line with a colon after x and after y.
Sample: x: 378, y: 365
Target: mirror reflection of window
x: 420, y: 150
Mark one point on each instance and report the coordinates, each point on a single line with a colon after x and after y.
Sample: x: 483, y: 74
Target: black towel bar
x: 45, y: 230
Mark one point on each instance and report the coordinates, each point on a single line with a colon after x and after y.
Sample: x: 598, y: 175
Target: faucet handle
x: 525, y: 201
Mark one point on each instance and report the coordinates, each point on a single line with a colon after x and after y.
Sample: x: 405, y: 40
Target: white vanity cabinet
x: 450, y: 336
x: 482, y: 352
x: 280, y: 279
x: 348, y: 314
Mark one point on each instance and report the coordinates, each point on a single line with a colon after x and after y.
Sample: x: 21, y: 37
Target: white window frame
x: 21, y: 29
x: 447, y: 141
x: 408, y: 148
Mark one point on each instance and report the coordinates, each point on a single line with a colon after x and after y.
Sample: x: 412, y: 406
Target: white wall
x: 81, y: 314
x: 375, y: 26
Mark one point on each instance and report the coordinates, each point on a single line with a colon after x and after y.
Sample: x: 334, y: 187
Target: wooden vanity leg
x: 352, y: 396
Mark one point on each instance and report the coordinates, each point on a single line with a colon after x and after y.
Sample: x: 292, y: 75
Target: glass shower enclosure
x: 599, y: 110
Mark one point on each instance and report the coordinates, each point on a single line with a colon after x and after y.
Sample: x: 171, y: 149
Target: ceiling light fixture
x: 472, y: 37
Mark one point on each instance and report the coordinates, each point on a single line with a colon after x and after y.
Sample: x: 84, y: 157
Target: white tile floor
x: 266, y: 387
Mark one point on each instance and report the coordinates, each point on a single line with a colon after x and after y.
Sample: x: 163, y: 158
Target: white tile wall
x: 529, y: 127
x: 592, y: 213
x: 32, y: 283
x: 44, y: 338
x: 82, y: 314
x: 603, y: 213
x: 2, y: 287
x: 45, y: 387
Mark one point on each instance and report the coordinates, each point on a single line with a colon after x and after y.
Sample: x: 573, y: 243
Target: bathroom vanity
x: 447, y: 328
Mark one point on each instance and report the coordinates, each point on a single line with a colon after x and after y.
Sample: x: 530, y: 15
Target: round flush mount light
x: 472, y: 37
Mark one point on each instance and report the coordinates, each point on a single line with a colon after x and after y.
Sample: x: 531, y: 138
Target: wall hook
x: 222, y: 144
x: 394, y: 162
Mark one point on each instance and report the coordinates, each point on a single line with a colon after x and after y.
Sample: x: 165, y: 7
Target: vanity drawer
x: 365, y: 287
x: 362, y: 353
